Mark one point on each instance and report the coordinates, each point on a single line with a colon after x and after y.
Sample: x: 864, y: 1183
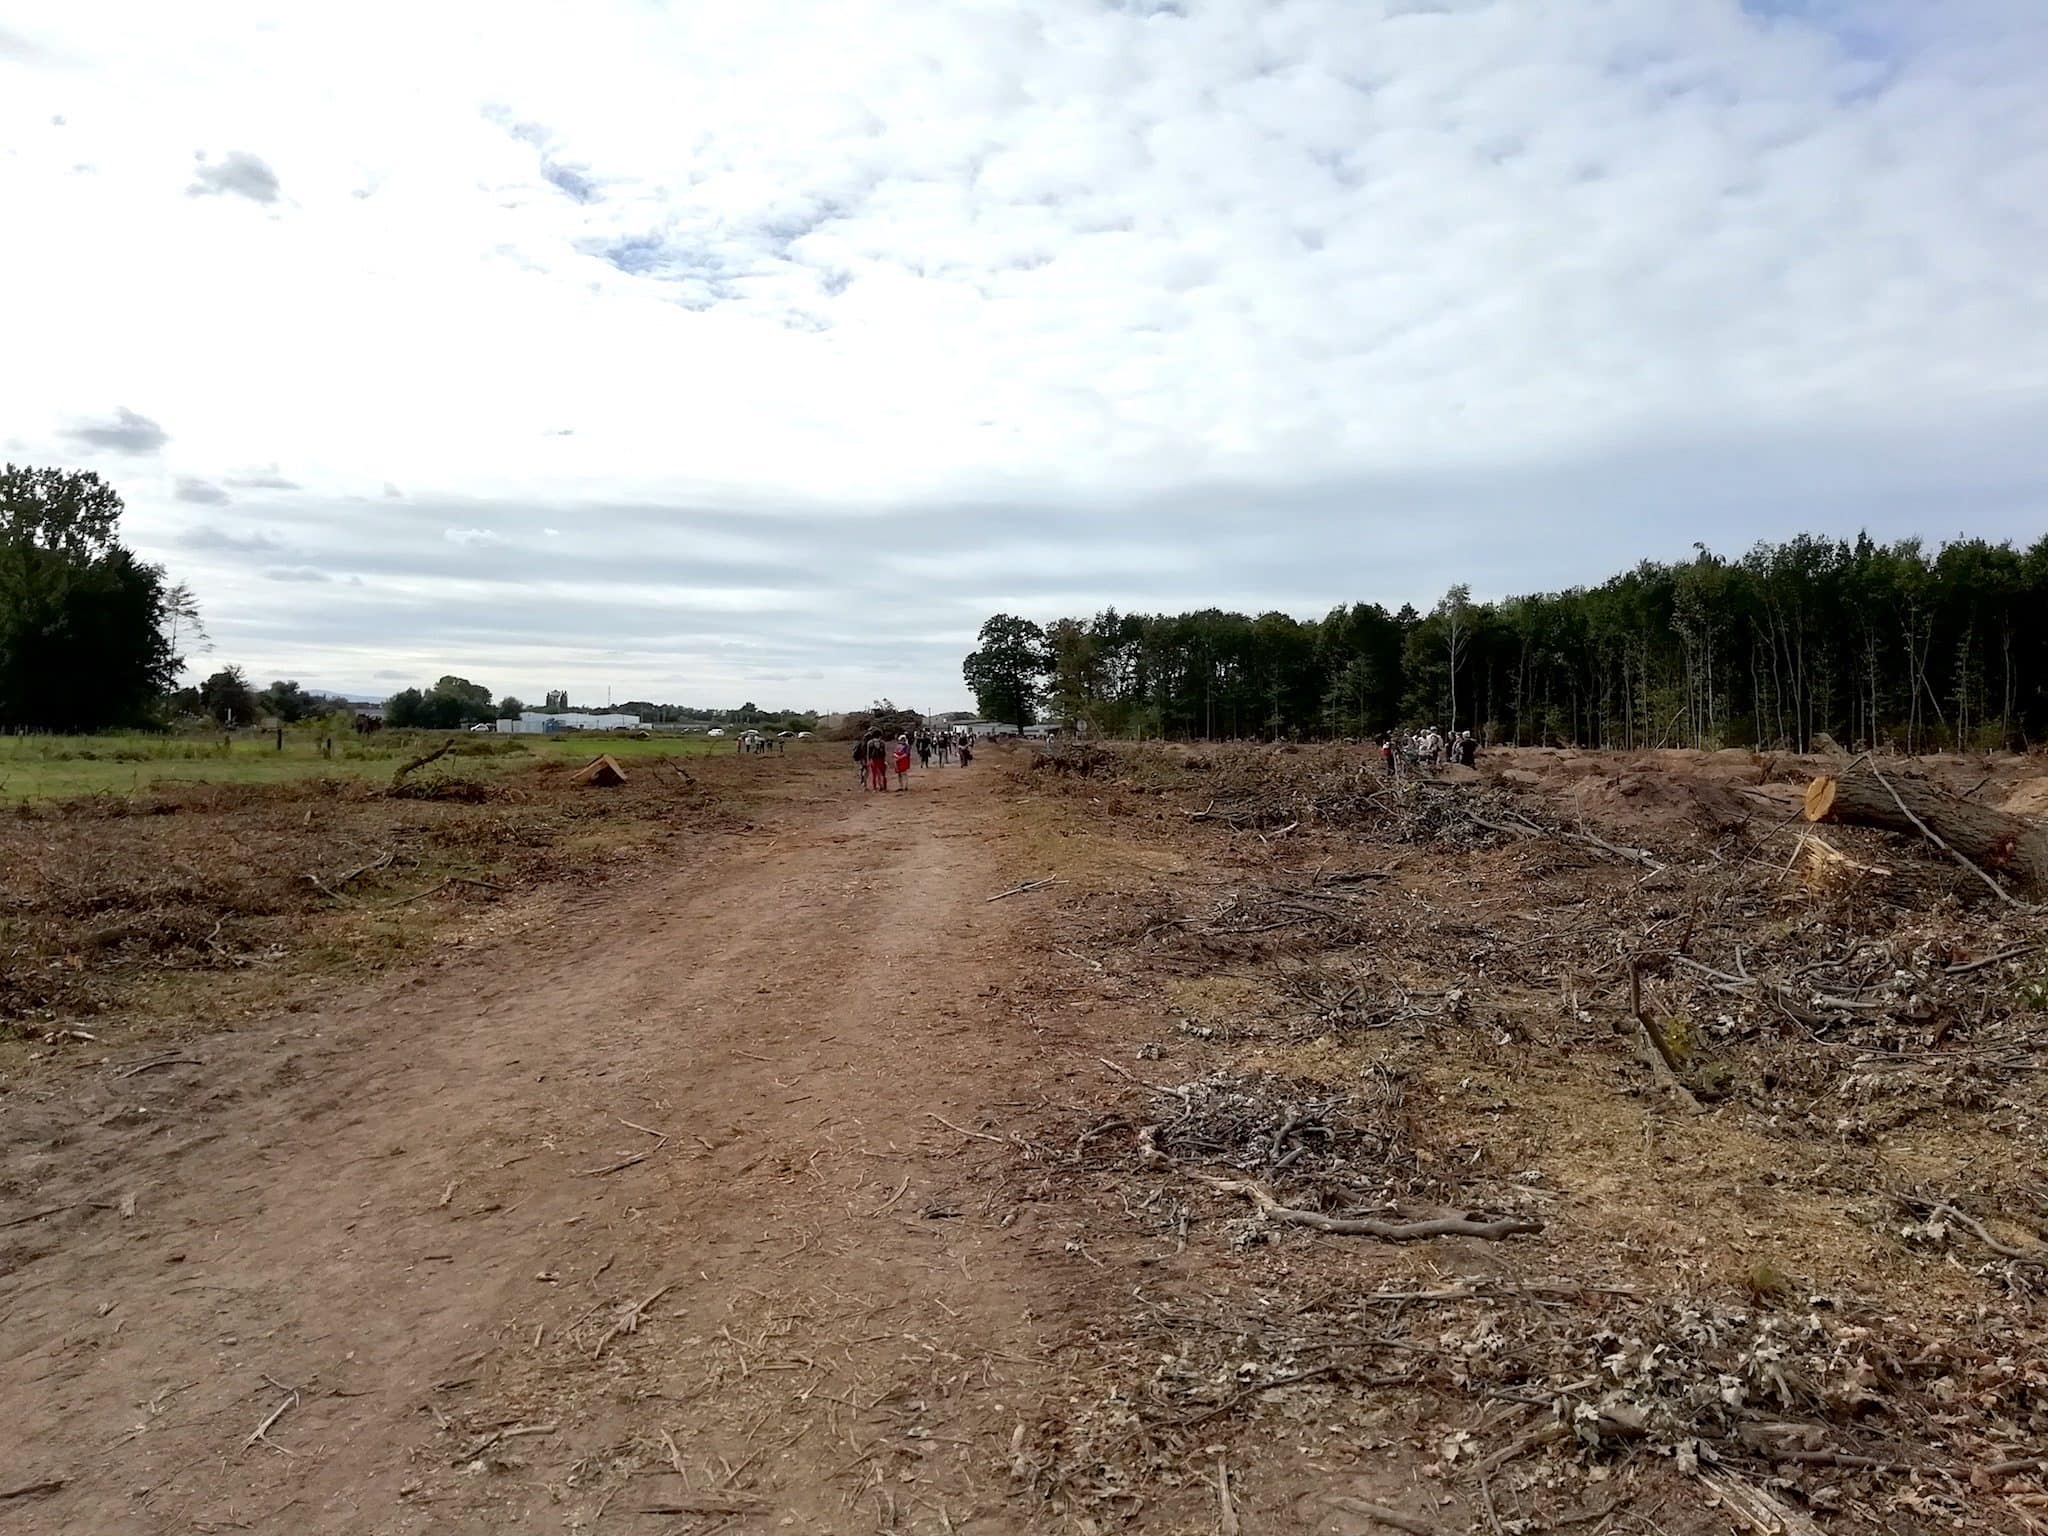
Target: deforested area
x: 1582, y: 1142
x: 186, y: 905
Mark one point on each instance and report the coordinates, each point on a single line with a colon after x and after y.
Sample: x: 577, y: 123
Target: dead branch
x: 510, y: 1432
x: 1757, y: 1509
x: 1491, y: 1228
x: 627, y: 1162
x: 2015, y: 1467
x: 360, y: 870
x: 629, y: 1318
x: 1662, y: 1055
x: 1382, y: 1514
x: 406, y: 901
x: 261, y: 1433
x: 1226, y: 1509
x: 2003, y: 955
x: 1245, y: 1396
x: 33, y: 1490
x: 705, y: 1504
x: 1028, y: 885
x: 423, y: 759
x: 1976, y: 1229
x: 51, y: 1210
x: 160, y: 1061
x: 977, y: 1135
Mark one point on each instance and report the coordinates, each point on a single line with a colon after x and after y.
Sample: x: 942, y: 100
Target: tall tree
x: 288, y: 702
x: 1006, y: 669
x: 1455, y: 613
x: 1868, y: 643
x: 85, y: 627
x: 228, y: 698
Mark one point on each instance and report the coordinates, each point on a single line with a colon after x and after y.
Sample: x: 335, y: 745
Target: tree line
x: 92, y: 638
x: 1866, y: 643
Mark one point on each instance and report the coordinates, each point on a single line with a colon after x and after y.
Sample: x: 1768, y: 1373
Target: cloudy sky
x: 712, y: 350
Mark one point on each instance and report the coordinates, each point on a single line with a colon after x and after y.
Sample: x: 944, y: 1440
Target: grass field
x: 58, y: 767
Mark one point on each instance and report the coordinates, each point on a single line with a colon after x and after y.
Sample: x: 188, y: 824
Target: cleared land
x: 717, y: 1154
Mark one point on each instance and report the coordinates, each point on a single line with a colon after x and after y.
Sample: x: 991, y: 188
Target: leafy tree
x: 1865, y: 642
x: 510, y: 708
x: 886, y: 718
x: 405, y: 709
x: 452, y: 703
x: 1005, y: 671
x: 227, y: 697
x: 85, y: 627
x: 456, y: 701
x: 290, y: 703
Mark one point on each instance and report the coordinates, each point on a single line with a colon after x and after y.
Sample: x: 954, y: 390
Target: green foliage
x: 451, y: 704
x: 227, y: 698
x: 287, y: 703
x: 510, y: 707
x: 1005, y: 671
x: 1870, y: 644
x: 886, y: 718
x: 85, y: 627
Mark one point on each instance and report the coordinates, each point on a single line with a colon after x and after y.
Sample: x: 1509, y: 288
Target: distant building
x: 547, y: 722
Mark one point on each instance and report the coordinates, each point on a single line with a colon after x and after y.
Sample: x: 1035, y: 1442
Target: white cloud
x: 930, y: 306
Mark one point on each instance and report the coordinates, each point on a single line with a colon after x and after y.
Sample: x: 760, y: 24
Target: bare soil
x: 660, y: 1166
x: 728, y: 1160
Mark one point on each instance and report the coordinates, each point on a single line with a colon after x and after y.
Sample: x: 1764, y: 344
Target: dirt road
x: 645, y: 1213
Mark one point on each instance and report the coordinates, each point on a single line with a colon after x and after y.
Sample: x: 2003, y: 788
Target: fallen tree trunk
x: 1863, y: 795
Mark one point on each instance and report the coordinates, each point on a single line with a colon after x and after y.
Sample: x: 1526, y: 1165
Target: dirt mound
x: 2029, y: 798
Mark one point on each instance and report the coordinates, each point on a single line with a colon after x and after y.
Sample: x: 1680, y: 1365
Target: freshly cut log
x: 1991, y: 839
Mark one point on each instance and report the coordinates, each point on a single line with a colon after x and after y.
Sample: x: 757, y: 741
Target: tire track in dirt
x: 388, y: 1220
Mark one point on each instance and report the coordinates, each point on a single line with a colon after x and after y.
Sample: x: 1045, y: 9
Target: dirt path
x: 406, y: 1236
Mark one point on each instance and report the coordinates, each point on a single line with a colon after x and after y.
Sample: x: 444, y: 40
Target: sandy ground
x: 388, y: 1268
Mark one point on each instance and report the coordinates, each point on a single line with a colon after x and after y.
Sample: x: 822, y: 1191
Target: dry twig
x: 1491, y: 1228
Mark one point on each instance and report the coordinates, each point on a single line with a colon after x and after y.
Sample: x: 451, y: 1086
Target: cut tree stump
x: 1993, y: 840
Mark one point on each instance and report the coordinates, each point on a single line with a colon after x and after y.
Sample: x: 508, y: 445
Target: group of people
x: 1431, y: 748
x: 874, y: 756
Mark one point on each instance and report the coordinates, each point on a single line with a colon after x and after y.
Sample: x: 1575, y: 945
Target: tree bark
x: 1993, y: 840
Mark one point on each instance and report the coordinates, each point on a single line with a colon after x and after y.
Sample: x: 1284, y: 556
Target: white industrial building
x: 542, y: 722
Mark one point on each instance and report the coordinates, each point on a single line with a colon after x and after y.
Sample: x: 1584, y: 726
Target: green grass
x: 121, y: 763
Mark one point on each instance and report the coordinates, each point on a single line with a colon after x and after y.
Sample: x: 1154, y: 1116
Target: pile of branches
x: 1076, y: 759
x: 1284, y: 1132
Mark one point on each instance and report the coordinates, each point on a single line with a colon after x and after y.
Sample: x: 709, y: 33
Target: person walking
x: 860, y: 760
x: 966, y: 748
x: 924, y: 749
x: 902, y: 761
x: 1387, y: 753
x: 878, y: 763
